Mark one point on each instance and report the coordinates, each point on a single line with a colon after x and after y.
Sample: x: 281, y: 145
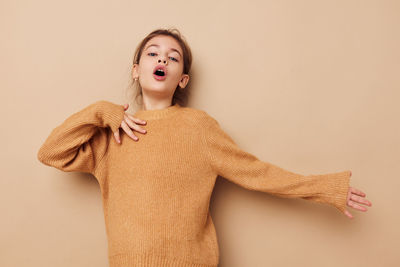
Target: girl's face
x: 161, y: 51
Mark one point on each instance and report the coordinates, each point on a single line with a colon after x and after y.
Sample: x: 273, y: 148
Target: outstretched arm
x: 228, y: 160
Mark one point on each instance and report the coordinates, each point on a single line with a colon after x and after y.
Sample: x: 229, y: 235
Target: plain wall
x: 312, y: 86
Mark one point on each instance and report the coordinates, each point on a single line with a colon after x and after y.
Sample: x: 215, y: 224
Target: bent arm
x: 81, y: 141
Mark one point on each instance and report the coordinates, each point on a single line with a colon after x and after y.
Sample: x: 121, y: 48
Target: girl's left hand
x: 354, y: 196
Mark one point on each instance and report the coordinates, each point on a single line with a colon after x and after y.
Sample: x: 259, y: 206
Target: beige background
x: 312, y: 86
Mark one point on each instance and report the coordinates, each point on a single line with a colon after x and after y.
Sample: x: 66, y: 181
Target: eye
x: 173, y: 58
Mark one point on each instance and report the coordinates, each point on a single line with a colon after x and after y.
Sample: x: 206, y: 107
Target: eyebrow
x: 173, y: 49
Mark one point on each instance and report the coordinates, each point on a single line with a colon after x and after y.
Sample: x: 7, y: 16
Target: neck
x: 155, y: 104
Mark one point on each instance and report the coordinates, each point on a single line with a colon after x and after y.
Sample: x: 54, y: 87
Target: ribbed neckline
x: 153, y: 114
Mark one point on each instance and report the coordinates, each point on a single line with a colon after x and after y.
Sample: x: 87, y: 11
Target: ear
x: 135, y: 71
x: 184, y: 80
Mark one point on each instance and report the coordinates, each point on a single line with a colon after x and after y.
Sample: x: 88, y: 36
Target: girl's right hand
x: 129, y: 122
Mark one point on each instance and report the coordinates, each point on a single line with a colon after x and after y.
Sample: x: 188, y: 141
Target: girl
x: 156, y: 190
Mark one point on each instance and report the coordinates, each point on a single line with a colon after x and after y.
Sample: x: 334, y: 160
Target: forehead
x: 166, y: 41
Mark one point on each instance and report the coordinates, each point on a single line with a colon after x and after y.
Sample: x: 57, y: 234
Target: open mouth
x: 159, y: 72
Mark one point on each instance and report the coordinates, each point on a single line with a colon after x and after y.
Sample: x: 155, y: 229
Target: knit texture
x: 156, y: 191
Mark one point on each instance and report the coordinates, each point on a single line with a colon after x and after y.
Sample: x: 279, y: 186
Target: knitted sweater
x: 156, y: 191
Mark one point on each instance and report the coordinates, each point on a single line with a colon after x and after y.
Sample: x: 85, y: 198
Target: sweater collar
x: 158, y: 113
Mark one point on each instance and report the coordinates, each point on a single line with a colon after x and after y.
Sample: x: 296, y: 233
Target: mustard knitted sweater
x: 156, y: 191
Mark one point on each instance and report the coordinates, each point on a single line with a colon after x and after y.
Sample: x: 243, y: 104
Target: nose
x: 165, y: 62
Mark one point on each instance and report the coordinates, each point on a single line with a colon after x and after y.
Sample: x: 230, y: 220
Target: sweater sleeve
x: 228, y: 160
x: 81, y: 141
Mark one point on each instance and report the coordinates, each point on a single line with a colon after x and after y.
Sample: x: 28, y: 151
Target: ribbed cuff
x: 341, y: 185
x: 112, y: 114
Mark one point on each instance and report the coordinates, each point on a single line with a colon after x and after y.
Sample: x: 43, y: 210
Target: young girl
x: 156, y: 189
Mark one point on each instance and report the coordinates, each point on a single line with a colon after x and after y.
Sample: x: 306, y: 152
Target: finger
x: 116, y: 136
x: 134, y: 126
x: 360, y: 200
x: 126, y: 128
x: 348, y: 214
x: 357, y: 192
x: 126, y: 106
x: 136, y: 119
x: 356, y: 206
